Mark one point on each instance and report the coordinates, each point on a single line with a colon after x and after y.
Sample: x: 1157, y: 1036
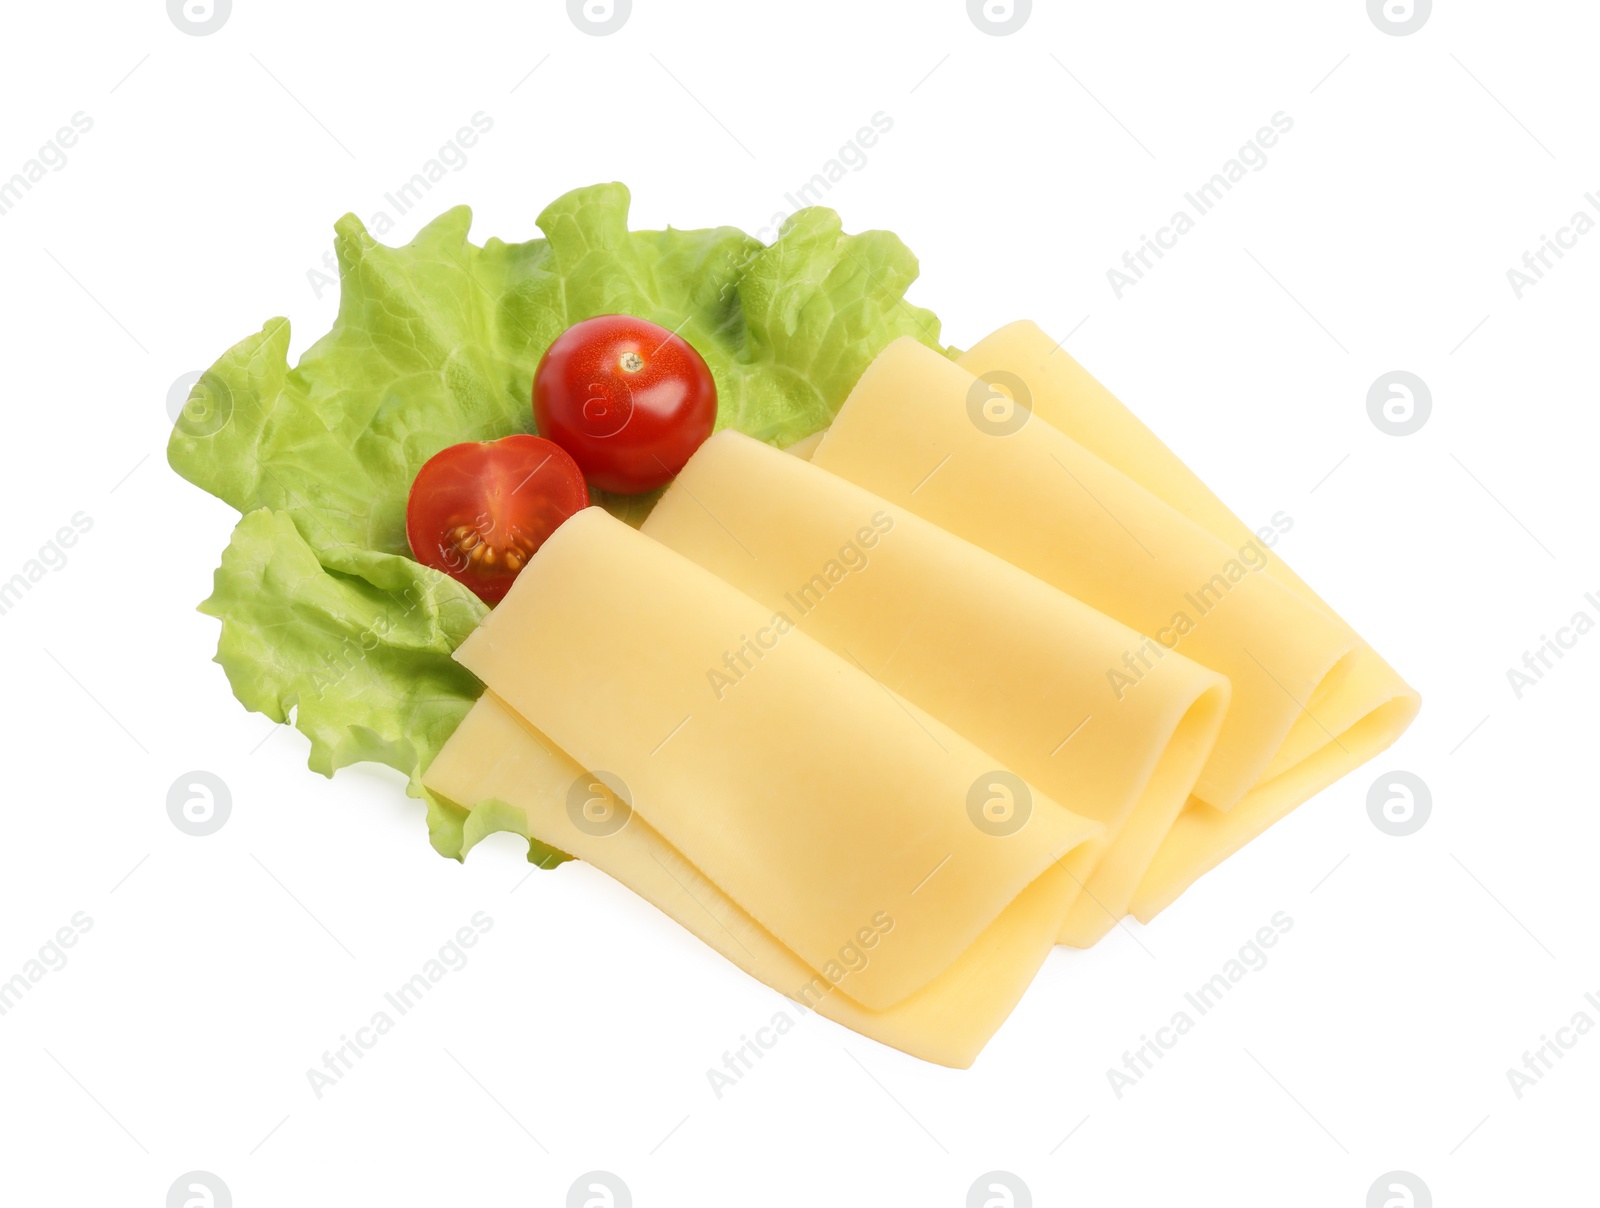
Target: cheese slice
x: 1003, y: 659
x: 1358, y: 710
x: 814, y: 797
x: 495, y: 755
x: 805, y: 447
x: 925, y: 433
x: 914, y: 431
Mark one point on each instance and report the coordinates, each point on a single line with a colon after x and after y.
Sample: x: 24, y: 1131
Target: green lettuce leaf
x: 362, y: 664
x: 436, y: 343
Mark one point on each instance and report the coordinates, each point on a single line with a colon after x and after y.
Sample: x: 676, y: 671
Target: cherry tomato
x: 629, y: 400
x: 478, y: 511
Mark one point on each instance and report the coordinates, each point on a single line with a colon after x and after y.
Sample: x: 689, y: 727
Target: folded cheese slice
x: 925, y: 433
x: 495, y: 755
x: 813, y: 797
x: 1356, y: 713
x: 1002, y: 658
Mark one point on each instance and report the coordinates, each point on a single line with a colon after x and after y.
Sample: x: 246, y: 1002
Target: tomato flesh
x: 630, y: 400
x: 478, y: 511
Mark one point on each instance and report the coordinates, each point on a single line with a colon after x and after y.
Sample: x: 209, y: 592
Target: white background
x: 1377, y: 237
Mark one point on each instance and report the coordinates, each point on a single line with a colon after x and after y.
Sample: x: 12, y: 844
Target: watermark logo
x: 999, y: 1189
x: 599, y: 17
x: 1536, y: 264
x: 851, y: 157
x: 448, y: 959
x: 999, y: 403
x: 51, y: 557
x: 51, y: 957
x: 199, y: 17
x: 1399, y: 1189
x: 199, y: 1189
x: 199, y: 803
x: 999, y: 803
x: 1252, y: 557
x: 1399, y: 17
x: 852, y: 557
x: 52, y: 156
x: 1250, y: 958
x: 453, y: 156
x: 599, y: 1189
x: 608, y: 407
x: 1538, y: 1062
x: 1253, y: 156
x: 1399, y: 803
x: 852, y: 957
x: 1542, y: 659
x: 1399, y: 403
x: 599, y: 804
x: 741, y: 1061
x: 200, y: 403
x: 999, y: 17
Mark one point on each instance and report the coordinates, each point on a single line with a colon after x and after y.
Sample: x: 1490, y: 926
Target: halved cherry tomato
x: 478, y: 511
x: 629, y: 400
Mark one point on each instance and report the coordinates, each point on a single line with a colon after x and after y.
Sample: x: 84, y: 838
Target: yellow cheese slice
x: 1002, y: 658
x: 914, y: 430
x: 814, y: 797
x: 805, y: 447
x: 495, y: 755
x: 1356, y: 712
x: 925, y: 433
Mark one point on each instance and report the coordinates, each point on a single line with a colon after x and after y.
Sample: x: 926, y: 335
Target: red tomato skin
x: 478, y: 511
x: 629, y: 431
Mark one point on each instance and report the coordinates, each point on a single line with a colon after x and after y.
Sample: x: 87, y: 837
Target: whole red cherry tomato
x: 478, y: 511
x: 629, y: 400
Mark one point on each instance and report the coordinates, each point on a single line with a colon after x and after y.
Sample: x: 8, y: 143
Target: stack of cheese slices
x: 883, y: 722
